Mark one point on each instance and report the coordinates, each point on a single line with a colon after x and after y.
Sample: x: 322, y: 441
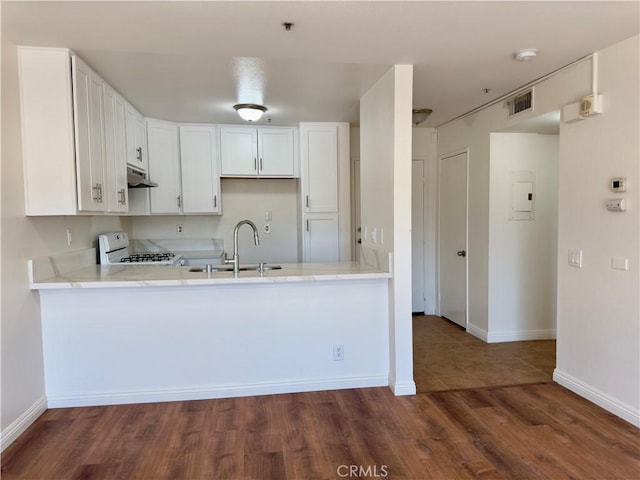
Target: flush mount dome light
x: 419, y: 115
x: 250, y: 111
x: 525, y: 55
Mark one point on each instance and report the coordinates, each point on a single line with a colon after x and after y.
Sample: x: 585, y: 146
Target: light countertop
x: 115, y: 276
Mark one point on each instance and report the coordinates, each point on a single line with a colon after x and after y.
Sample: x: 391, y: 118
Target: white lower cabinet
x: 321, y: 238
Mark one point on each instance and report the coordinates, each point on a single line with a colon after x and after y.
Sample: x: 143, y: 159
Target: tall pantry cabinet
x: 325, y: 187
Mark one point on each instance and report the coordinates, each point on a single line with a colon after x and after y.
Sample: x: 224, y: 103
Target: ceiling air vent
x: 520, y: 103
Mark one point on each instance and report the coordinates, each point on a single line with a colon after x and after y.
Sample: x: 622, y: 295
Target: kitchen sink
x: 261, y: 267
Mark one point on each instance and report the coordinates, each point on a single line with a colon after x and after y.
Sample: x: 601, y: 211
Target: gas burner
x: 155, y: 257
x: 114, y: 250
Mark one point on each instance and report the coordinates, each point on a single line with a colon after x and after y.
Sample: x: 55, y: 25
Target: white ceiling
x: 192, y: 61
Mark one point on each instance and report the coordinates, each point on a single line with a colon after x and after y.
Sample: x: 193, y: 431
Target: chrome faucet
x: 256, y: 238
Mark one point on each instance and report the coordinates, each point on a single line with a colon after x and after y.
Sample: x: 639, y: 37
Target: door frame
x: 466, y: 240
x: 425, y: 253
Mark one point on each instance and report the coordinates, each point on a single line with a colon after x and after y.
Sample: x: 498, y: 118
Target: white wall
x: 598, y: 307
x: 241, y: 199
x: 24, y: 238
x: 473, y: 132
x: 522, y: 257
x: 423, y: 147
x: 385, y: 174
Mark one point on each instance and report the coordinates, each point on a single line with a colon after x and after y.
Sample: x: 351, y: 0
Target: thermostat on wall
x: 619, y: 184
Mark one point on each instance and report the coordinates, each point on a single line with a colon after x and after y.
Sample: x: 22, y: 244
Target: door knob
x: 462, y: 253
x: 359, y: 240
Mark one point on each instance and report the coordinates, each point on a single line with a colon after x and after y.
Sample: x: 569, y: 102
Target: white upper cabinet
x: 73, y: 136
x: 164, y: 167
x: 319, y: 166
x: 200, y: 169
x: 239, y: 151
x: 115, y: 151
x: 183, y: 161
x: 62, y: 133
x: 89, y: 134
x: 258, y: 151
x: 135, y: 137
x: 276, y: 152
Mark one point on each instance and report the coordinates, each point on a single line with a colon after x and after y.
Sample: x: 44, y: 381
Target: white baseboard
x: 477, y: 332
x: 405, y: 388
x: 519, y: 336
x: 206, y: 392
x: 622, y: 410
x: 17, y: 428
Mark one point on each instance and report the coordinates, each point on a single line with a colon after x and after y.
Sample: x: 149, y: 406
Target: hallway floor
x: 446, y: 357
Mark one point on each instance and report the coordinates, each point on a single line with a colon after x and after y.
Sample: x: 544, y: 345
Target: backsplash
x: 241, y: 199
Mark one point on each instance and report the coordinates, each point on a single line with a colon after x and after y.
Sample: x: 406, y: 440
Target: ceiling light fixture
x: 250, y: 111
x: 420, y: 115
x: 525, y: 55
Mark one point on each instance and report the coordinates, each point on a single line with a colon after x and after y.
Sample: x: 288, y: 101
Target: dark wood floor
x: 533, y: 431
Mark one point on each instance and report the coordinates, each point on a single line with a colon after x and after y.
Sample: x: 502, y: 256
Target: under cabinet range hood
x: 138, y: 179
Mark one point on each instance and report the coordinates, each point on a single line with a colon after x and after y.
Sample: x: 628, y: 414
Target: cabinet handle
x: 261, y: 164
x: 96, y: 195
x: 139, y: 153
x: 255, y: 164
x: 99, y: 193
x: 307, y: 224
x: 179, y: 201
x: 307, y: 201
x: 215, y: 201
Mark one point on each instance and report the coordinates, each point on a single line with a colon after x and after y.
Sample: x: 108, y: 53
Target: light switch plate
x: 575, y: 258
x: 620, y: 263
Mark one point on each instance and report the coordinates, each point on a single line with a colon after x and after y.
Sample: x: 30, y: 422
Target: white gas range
x: 114, y: 250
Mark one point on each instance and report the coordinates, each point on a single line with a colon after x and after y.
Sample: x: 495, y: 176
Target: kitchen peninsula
x: 134, y: 334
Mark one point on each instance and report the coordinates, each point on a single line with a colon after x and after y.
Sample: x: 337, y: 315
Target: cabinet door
x: 115, y: 158
x: 239, y: 151
x: 321, y: 238
x: 199, y: 166
x: 89, y: 137
x: 319, y: 156
x: 275, y: 152
x: 164, y: 167
x: 134, y: 125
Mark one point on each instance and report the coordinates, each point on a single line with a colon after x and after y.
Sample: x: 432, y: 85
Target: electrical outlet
x: 267, y: 228
x: 338, y: 352
x: 179, y: 228
x: 69, y: 236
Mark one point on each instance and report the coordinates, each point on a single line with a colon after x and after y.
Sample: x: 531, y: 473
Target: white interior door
x: 452, y: 241
x: 417, y: 236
